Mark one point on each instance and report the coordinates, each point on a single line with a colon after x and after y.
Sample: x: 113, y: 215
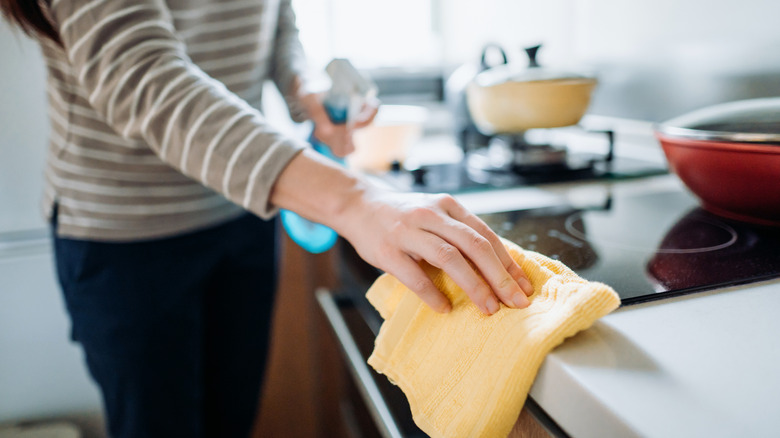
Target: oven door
x: 368, y: 393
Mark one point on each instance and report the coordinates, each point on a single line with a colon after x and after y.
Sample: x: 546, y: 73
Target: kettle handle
x: 488, y: 47
x: 531, y: 52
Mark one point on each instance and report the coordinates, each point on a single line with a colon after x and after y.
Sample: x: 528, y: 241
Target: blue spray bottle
x: 348, y: 93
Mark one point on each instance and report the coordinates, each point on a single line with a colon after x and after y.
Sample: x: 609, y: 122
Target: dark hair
x: 30, y: 17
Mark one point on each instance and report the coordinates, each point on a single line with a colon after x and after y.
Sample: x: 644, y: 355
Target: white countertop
x: 702, y: 365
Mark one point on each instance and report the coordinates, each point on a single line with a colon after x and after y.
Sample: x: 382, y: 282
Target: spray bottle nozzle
x: 350, y: 89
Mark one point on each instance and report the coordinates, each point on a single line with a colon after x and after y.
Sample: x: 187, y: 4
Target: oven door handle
x: 358, y: 368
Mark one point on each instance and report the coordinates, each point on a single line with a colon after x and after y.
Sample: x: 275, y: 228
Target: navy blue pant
x: 175, y: 331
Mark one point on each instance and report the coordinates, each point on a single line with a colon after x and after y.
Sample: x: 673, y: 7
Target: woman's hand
x: 337, y: 136
x: 394, y: 231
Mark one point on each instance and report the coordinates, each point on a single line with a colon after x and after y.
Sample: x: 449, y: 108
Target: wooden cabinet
x: 302, y: 376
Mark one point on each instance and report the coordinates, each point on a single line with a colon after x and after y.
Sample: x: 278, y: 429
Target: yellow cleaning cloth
x: 466, y: 374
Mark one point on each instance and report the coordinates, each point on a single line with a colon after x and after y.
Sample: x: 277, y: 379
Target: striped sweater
x: 155, y: 130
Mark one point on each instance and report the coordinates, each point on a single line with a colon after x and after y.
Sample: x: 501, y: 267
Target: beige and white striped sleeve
x: 139, y: 78
x: 289, y: 60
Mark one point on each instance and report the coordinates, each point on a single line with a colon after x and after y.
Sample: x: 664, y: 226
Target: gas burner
x: 518, y: 155
x: 508, y: 154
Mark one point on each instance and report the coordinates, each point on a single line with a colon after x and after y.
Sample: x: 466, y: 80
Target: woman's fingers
x: 459, y: 213
x: 337, y: 137
x: 341, y: 142
x: 366, y: 115
x: 479, y: 250
x: 469, y: 243
x: 313, y: 104
x: 408, y: 272
x: 447, y: 257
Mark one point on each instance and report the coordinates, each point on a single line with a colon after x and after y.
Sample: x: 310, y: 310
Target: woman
x: 157, y: 153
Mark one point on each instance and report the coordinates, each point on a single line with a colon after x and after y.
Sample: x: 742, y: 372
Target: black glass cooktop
x: 647, y: 246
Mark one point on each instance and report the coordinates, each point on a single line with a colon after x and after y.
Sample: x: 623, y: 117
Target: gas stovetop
x: 532, y: 158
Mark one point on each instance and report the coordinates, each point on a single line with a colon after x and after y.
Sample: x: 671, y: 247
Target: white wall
x: 514, y: 24
x: 718, y: 36
x: 413, y: 33
x: 658, y: 29
x: 23, y: 131
x: 655, y: 58
x: 661, y: 58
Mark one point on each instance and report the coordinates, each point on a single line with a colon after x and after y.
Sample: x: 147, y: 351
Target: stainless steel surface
x: 358, y: 368
x: 512, y: 73
x: 745, y: 121
x: 503, y: 155
x: 729, y: 137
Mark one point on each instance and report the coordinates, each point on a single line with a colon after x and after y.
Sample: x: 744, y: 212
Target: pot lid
x: 509, y: 73
x: 744, y: 121
x: 532, y: 72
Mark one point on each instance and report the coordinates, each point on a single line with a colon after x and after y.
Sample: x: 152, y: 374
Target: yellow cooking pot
x: 508, y: 100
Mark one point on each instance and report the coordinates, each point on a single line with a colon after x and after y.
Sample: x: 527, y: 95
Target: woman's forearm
x: 395, y: 231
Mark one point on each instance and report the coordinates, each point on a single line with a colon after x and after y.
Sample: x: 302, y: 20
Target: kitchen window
x: 371, y: 33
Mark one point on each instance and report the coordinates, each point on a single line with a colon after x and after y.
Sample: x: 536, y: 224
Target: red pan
x: 728, y: 155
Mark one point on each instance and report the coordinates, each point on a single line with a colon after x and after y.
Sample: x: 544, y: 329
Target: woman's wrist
x: 354, y: 209
x: 320, y: 190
